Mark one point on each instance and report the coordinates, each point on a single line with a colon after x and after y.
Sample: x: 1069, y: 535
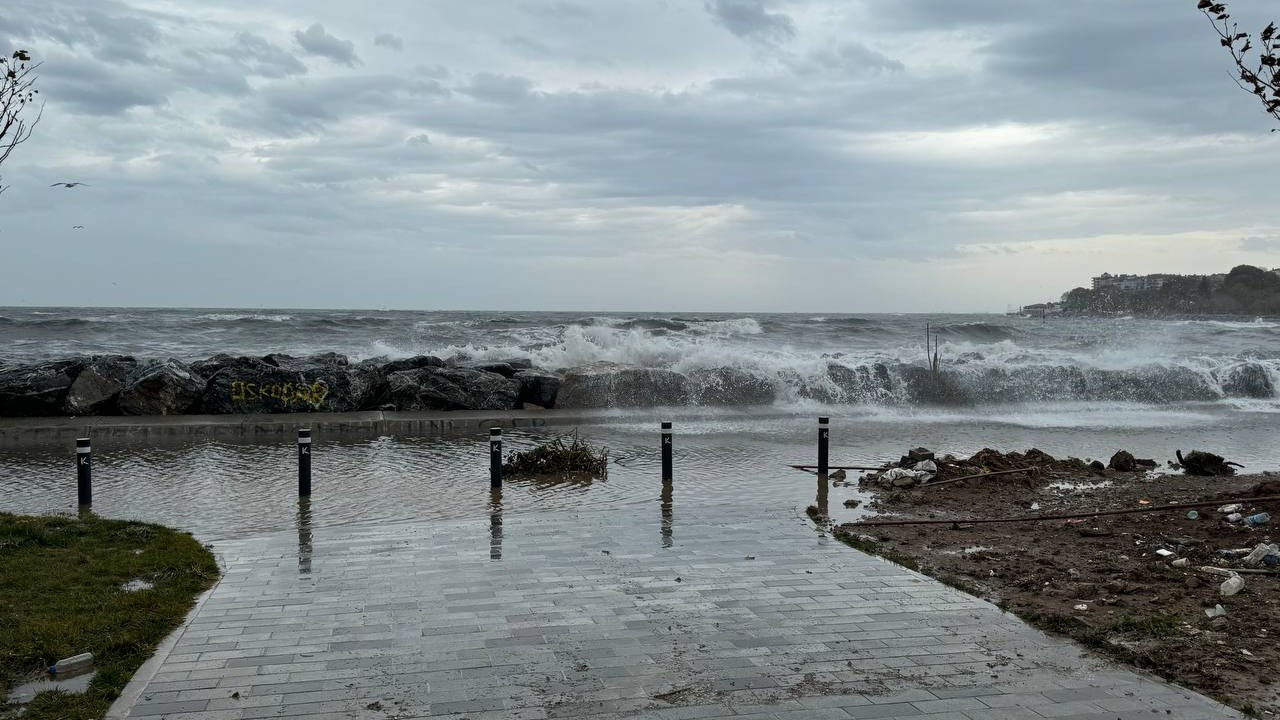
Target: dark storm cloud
x: 749, y: 19
x: 315, y: 41
x: 389, y: 41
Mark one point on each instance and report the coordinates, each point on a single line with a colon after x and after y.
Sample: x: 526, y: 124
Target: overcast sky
x: 752, y: 155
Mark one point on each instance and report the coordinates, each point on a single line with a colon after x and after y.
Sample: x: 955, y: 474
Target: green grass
x: 60, y: 595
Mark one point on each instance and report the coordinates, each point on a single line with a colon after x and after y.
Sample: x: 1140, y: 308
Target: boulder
x: 1123, y: 461
x: 210, y: 367
x: 612, y: 385
x: 449, y: 389
x: 290, y: 362
x: 729, y: 386
x: 538, y: 387
x: 518, y: 363
x: 39, y: 389
x: 99, y: 384
x: 506, y: 370
x: 162, y: 387
x: 1250, y: 380
x: 417, y: 362
x: 252, y: 385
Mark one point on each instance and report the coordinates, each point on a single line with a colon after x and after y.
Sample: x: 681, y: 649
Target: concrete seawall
x: 29, y: 432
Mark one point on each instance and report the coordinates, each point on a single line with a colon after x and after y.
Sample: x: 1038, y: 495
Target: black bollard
x: 304, y: 462
x: 824, y: 435
x: 495, y: 458
x: 84, y: 472
x: 667, y: 473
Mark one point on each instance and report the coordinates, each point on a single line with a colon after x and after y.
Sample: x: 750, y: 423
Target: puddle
x: 136, y: 585
x: 1080, y: 486
x: 27, y: 692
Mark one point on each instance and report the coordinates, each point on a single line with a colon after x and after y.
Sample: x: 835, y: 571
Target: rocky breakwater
x: 277, y: 383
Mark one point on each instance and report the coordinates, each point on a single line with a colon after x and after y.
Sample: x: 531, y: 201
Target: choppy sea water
x: 1082, y: 387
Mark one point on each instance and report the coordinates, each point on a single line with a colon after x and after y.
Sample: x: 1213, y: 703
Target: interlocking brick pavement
x: 709, y: 612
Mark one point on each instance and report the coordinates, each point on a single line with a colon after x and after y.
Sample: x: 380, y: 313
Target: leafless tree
x: 1257, y: 65
x: 17, y: 96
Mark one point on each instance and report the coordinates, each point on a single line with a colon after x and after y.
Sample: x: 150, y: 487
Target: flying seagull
x: 77, y: 227
x: 69, y: 184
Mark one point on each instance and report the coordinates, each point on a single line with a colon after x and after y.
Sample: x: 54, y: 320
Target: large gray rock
x: 1250, y: 380
x: 98, y: 386
x: 417, y: 362
x: 40, y: 389
x: 729, y: 386
x: 449, y: 389
x: 290, y: 362
x: 255, y: 385
x: 538, y: 387
x: 163, y: 387
x: 612, y: 385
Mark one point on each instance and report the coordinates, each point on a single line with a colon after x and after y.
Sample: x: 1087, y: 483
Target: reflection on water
x: 667, y: 517
x: 304, y: 535
x: 224, y: 489
x: 823, y: 500
x: 495, y: 524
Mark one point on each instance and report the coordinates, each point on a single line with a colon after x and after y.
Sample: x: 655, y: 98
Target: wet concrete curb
x: 44, y: 431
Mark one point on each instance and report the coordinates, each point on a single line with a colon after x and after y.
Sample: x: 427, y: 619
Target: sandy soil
x: 1100, y: 579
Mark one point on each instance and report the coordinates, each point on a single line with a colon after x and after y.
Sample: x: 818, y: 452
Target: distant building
x: 1130, y: 283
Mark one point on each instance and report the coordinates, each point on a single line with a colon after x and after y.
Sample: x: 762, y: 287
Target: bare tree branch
x: 17, y: 96
x: 1257, y: 65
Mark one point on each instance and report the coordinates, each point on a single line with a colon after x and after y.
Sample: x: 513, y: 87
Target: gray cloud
x: 1259, y: 244
x: 750, y: 20
x: 389, y: 41
x: 260, y: 57
x: 1051, y: 139
x: 315, y: 41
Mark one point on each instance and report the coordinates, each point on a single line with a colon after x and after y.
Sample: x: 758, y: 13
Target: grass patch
x: 869, y: 545
x: 60, y: 595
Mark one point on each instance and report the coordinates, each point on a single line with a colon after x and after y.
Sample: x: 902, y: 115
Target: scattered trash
x: 73, y: 664
x: 1082, y: 607
x: 1165, y: 553
x: 900, y: 477
x: 1034, y: 506
x: 928, y: 466
x: 1233, y: 507
x: 1216, y: 611
x: 1222, y: 572
x: 1260, y: 553
x: 1144, y: 501
x: 1235, y: 517
x: 1231, y: 585
x: 1180, y: 562
x: 1193, y: 515
x: 1245, y: 652
x: 136, y: 585
x: 1261, y: 518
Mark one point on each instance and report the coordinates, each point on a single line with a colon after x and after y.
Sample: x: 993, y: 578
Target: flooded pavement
x: 230, y: 489
x: 661, y: 612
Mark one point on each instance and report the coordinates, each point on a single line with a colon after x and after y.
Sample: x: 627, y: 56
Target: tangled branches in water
x: 557, y: 457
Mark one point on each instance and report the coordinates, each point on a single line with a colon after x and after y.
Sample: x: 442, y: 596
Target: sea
x: 1084, y: 387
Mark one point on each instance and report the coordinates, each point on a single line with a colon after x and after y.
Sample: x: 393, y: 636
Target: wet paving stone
x: 708, y: 613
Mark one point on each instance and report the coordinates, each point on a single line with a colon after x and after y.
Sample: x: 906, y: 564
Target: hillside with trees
x: 1247, y: 290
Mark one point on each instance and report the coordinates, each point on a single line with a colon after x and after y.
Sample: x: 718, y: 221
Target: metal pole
x: 824, y: 435
x: 84, y: 472
x: 495, y: 458
x: 304, y: 462
x: 667, y: 473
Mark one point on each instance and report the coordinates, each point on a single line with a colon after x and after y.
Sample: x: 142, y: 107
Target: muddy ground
x: 1100, y: 579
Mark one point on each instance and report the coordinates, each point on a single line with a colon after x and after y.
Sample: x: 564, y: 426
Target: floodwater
x: 723, y: 459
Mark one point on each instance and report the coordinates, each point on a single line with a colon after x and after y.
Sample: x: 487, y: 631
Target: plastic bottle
x: 73, y: 664
x: 1231, y: 586
x: 1261, y: 518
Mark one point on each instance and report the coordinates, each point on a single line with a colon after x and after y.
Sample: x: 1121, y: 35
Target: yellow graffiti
x: 287, y: 394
